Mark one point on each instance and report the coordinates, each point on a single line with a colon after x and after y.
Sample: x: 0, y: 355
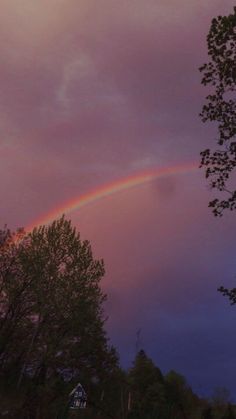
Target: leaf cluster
x: 220, y: 107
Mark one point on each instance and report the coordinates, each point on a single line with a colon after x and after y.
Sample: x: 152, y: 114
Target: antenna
x: 137, y: 345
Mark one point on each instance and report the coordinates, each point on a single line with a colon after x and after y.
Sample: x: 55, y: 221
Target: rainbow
x: 109, y: 189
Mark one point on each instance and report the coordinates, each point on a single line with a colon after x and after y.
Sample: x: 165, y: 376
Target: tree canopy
x: 220, y: 107
x: 51, y: 313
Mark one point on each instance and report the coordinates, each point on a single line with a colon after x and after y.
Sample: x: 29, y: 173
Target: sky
x: 95, y: 92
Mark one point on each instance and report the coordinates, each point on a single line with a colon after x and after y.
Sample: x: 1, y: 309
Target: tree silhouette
x: 220, y: 107
x: 147, y: 389
x: 51, y: 317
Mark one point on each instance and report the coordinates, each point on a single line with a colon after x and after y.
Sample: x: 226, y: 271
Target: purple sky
x: 93, y: 91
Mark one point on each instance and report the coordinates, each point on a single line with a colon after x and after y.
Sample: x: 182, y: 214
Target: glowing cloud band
x: 110, y: 189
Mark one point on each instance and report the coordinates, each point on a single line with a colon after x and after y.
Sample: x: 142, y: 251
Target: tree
x: 221, y: 396
x: 229, y: 413
x: 51, y: 315
x: 158, y: 397
x: 182, y: 401
x: 147, y: 389
x: 220, y: 107
x: 221, y: 403
x: 13, y: 305
x: 207, y: 413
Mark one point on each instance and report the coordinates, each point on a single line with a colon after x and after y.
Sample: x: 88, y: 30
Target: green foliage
x: 221, y: 396
x: 208, y: 413
x: 229, y: 413
x: 220, y: 403
x: 220, y: 107
x: 51, y: 322
x: 147, y: 388
x: 159, y: 397
x: 182, y: 401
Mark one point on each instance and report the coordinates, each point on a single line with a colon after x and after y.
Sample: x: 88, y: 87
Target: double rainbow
x: 109, y: 189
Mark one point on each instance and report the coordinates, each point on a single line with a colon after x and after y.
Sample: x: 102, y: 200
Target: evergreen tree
x: 147, y: 389
x: 182, y: 402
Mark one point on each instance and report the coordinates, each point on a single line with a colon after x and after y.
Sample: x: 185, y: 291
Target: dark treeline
x: 52, y: 337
